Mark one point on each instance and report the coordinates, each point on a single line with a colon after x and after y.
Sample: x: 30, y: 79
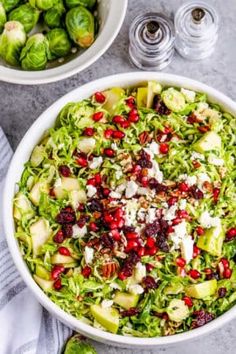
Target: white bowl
x: 111, y: 15
x: 22, y: 154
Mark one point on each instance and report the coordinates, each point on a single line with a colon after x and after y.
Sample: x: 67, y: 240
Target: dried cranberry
x: 196, y: 192
x: 133, y: 311
x: 222, y: 292
x: 149, y: 283
x: 64, y: 170
x: 129, y: 263
x: 144, y: 160
x: 107, y: 241
x: 152, y: 228
x: 160, y: 106
x: 67, y: 230
x: 57, y: 284
x: 66, y: 216
x: 201, y: 318
x: 95, y: 205
x: 86, y: 271
x: 59, y: 237
x: 154, y: 184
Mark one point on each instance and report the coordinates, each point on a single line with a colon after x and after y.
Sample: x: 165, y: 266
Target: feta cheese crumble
x: 96, y: 162
x: 139, y: 272
x: 88, y: 254
x: 136, y: 289
x: 106, y: 304
x: 186, y: 247
x: 207, y: 221
x: 214, y: 160
x: 131, y: 189
x: 91, y: 190
x: 169, y: 214
x: 79, y: 231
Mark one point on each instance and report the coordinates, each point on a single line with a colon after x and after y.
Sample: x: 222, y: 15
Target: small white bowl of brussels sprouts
x: 43, y: 41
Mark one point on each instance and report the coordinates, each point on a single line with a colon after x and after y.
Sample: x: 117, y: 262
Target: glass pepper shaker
x: 196, y: 26
x: 151, y: 38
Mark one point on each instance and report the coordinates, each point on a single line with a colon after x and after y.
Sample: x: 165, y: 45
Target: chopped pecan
x: 109, y: 269
x: 144, y: 138
x: 208, y: 186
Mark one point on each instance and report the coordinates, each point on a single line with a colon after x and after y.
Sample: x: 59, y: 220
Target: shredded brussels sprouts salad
x: 126, y: 211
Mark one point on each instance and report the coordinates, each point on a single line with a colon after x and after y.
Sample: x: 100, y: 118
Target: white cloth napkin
x: 25, y: 327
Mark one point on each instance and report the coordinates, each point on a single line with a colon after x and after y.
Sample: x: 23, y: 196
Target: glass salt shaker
x: 152, y: 38
x: 196, y: 26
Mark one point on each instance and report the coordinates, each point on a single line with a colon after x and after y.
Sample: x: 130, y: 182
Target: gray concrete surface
x: 21, y: 105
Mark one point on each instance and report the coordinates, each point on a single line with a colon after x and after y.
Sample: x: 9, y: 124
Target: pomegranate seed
x: 231, y: 233
x: 181, y: 262
x: 113, y: 225
x: 208, y: 271
x: 130, y: 102
x: 106, y: 192
x: 188, y: 301
x: 164, y: 148
x: 199, y: 230
x: 119, y: 213
x: 109, y: 152
x: 170, y: 229
x: 125, y: 124
x: 118, y: 119
x: 56, y: 271
x: 59, y: 237
x: 216, y: 193
x: 64, y: 251
x: 108, y: 218
x: 183, y: 214
x: 97, y: 116
x: 86, y: 271
x: 122, y: 276
x: 91, y: 182
x: 172, y: 201
x: 131, y: 245
x: 133, y: 116
x: 141, y: 251
x: 93, y: 227
x: 183, y: 187
x: 225, y: 263
x: 151, y: 251
x: 116, y: 235
x: 144, y: 181
x: 99, y: 97
x: 57, y: 284
x: 64, y: 170
x: 196, y: 251
x: 204, y: 129
x: 117, y: 134
x: 176, y: 221
x: 120, y: 223
x: 98, y: 178
x: 108, y: 133
x: 136, y: 169
x: 227, y: 273
x: 132, y: 235
x: 149, y: 267
x: 82, y: 161
x: 150, y: 242
x: 89, y: 131
x: 194, y: 273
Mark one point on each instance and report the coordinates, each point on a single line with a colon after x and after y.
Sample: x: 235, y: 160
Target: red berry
x: 133, y: 116
x: 231, y: 233
x: 132, y: 235
x: 64, y: 170
x: 109, y: 152
x: 91, y: 182
x: 82, y: 161
x: 86, y: 271
x: 183, y: 187
x: 225, y: 262
x: 97, y: 116
x: 56, y: 271
x: 122, y: 276
x: 194, y: 273
x: 180, y: 262
x: 172, y: 201
x: 118, y: 119
x: 196, y: 251
x: 130, y: 102
x: 108, y: 133
x: 57, y: 284
x: 188, y: 301
x: 116, y: 235
x: 59, y: 237
x: 199, y: 230
x: 64, y: 251
x: 117, y: 134
x: 151, y: 251
x: 93, y: 226
x: 89, y: 131
x: 150, y: 242
x: 216, y: 193
x: 227, y: 273
x: 99, y: 97
x: 149, y: 267
x: 164, y: 148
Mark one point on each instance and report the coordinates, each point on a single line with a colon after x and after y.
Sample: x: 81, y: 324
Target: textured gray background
x: 21, y: 105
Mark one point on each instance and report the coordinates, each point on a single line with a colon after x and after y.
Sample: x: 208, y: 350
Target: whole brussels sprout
x: 12, y: 40
x: 86, y: 3
x: 77, y: 346
x: 80, y: 26
x: 3, y: 17
x: 59, y: 43
x: 42, y: 4
x: 52, y: 17
x: 10, y: 4
x: 35, y: 54
x: 26, y: 15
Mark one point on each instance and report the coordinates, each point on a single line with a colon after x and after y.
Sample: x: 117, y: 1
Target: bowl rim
x: 108, y: 34
x: 22, y: 154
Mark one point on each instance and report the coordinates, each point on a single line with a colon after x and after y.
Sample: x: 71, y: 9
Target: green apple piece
x: 113, y: 96
x: 126, y: 300
x: 173, y: 99
x: 202, y: 290
x: 86, y: 145
x: 212, y: 240
x: 177, y: 310
x: 174, y: 289
x: 107, y: 317
x: 58, y: 258
x: 46, y: 285
x: 153, y: 89
x: 68, y: 184
x: 142, y: 97
x: 40, y: 232
x: 41, y: 272
x: 37, y: 156
x: 37, y: 189
x: 22, y: 207
x: 209, y: 141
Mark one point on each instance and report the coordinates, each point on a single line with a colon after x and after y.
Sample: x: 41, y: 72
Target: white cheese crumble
x: 201, y: 178
x: 115, y: 286
x: 139, y: 272
x: 151, y: 215
x: 131, y: 189
x: 155, y: 172
x: 131, y: 209
x: 170, y: 213
x: 106, y: 304
x: 196, y: 156
x: 115, y: 195
x: 152, y: 149
x: 136, y: 289
x: 88, y: 254
x: 214, y: 160
x: 141, y: 214
x: 96, y: 162
x: 207, y: 221
x: 118, y: 174
x: 182, y: 204
x: 79, y: 231
x: 186, y: 247
x: 188, y: 94
x: 114, y: 146
x: 91, y: 190
x: 190, y: 180
x: 180, y: 232
x: 121, y: 187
